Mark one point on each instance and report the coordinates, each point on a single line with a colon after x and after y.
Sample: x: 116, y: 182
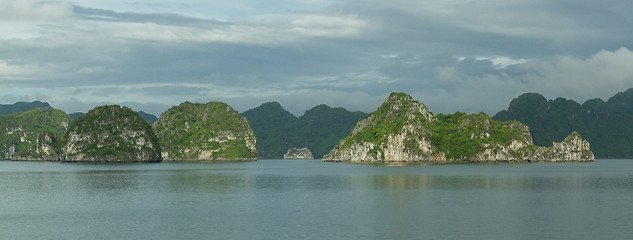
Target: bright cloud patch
x: 453, y: 55
x: 605, y: 70
x: 29, y: 10
x: 604, y: 74
x: 328, y: 26
x: 502, y: 62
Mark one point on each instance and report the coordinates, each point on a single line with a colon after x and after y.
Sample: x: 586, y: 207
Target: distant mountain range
x: 25, y: 106
x: 608, y: 126
x: 21, y: 107
x: 319, y: 128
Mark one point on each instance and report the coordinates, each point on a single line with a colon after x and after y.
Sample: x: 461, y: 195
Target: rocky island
x: 110, y: 133
x: 404, y: 130
x: 32, y: 134
x: 298, y: 153
x: 205, y: 132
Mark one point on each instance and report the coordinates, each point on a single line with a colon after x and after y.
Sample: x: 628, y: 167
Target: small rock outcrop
x: 32, y: 135
x: 404, y: 130
x: 298, y: 153
x: 573, y: 148
x: 110, y: 133
x: 205, y: 132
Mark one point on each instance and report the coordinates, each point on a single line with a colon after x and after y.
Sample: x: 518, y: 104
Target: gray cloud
x: 12, y: 10
x: 452, y: 55
x: 158, y: 18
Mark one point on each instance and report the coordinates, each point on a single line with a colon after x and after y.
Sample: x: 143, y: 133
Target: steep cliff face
x: 205, y: 132
x: 32, y: 135
x: 298, y: 153
x: 110, y: 134
x: 404, y: 130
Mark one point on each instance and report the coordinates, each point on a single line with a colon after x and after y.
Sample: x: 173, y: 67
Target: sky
x: 451, y: 55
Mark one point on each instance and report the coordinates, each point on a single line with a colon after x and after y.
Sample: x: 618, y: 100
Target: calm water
x: 285, y: 199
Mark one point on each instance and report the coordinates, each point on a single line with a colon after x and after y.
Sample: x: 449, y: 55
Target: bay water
x: 309, y: 199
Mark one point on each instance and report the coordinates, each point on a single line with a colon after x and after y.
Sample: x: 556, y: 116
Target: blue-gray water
x: 286, y: 199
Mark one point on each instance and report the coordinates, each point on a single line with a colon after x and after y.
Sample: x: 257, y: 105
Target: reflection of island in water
x: 404, y: 181
x: 400, y: 202
x: 293, y: 199
x: 166, y: 181
x: 108, y: 180
x: 210, y: 181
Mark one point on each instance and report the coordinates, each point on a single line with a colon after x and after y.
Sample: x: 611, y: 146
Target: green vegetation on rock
x: 319, y: 129
x: 606, y: 125
x: 110, y: 133
x: 402, y: 129
x: 389, y: 119
x: 211, y: 131
x: 148, y: 117
x: 462, y: 136
x: 33, y: 134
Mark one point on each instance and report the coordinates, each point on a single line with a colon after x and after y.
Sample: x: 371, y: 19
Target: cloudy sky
x: 452, y: 55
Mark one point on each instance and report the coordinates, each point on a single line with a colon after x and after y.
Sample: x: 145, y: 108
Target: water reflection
x: 406, y: 181
x: 108, y: 181
x: 498, y: 207
x: 312, y: 200
x: 180, y: 181
x: 204, y: 182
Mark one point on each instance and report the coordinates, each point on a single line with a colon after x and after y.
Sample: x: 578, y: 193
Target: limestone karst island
x: 205, y: 132
x: 111, y: 133
x: 400, y: 130
x: 404, y: 130
x: 298, y: 153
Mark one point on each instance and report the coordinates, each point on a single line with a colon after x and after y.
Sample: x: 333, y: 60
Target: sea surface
x: 308, y: 199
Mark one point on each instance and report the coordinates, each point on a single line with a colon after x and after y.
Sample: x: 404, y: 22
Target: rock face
x: 298, y: 153
x: 110, y: 134
x: 404, y: 130
x: 205, y: 132
x: 148, y: 117
x: 32, y: 135
x: 573, y: 148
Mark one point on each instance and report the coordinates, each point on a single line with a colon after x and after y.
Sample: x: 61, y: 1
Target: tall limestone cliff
x: 33, y: 134
x: 404, y: 130
x: 205, y: 132
x: 110, y: 133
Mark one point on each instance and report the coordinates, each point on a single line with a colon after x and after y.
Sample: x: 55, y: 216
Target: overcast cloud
x: 468, y: 56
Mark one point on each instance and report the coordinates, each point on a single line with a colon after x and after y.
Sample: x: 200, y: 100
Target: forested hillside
x: 608, y: 126
x: 319, y: 128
